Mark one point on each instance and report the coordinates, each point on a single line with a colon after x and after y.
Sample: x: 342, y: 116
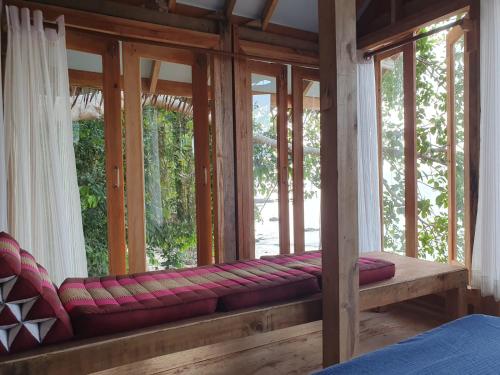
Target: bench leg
x: 456, y: 304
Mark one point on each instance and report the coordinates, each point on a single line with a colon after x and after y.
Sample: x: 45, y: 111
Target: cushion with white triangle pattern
x: 31, y: 313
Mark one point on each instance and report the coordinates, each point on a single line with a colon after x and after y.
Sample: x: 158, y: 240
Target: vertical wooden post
x: 410, y: 149
x: 339, y: 196
x: 472, y: 102
x: 378, y: 85
x: 282, y: 139
x: 202, y: 160
x: 223, y: 146
x: 298, y: 160
x: 244, y: 152
x: 135, y: 159
x: 114, y: 159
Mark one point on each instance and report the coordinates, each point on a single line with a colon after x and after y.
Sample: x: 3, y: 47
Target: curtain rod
x: 412, y: 39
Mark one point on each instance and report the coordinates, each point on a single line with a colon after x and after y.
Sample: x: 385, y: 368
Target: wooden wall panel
x: 339, y: 185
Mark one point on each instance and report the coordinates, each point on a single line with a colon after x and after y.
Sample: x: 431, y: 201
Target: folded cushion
x: 370, y: 269
x: 31, y: 313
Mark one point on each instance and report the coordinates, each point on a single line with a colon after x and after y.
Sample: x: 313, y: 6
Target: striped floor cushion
x: 370, y: 269
x: 121, y: 303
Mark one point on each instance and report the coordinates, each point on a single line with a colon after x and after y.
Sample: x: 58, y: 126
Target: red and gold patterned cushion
x: 31, y: 313
x: 370, y: 269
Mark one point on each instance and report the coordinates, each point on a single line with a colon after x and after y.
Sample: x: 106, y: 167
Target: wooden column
x: 202, y: 160
x: 135, y: 159
x: 244, y: 152
x: 339, y: 198
x: 223, y: 146
x: 378, y: 85
x: 410, y: 149
x: 114, y: 160
x: 472, y: 128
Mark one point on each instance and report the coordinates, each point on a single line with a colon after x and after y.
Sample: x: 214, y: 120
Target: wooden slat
x: 339, y: 186
x: 472, y: 102
x: 135, y: 159
x: 268, y: 12
x: 202, y: 161
x: 410, y: 150
x: 244, y: 151
x: 114, y: 160
x: 155, y: 73
x: 298, y: 160
x: 223, y: 145
x: 282, y: 138
x: 378, y: 85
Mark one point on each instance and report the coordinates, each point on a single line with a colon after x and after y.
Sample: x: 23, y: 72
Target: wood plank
x: 155, y: 73
x: 339, y: 185
x: 272, y: 39
x: 298, y: 160
x: 277, y: 53
x: 282, y: 139
x: 244, y: 150
x: 135, y: 159
x: 202, y: 161
x: 268, y: 12
x: 115, y: 197
x: 108, y: 17
x: 472, y: 105
x: 223, y: 144
x: 378, y: 85
x: 410, y: 150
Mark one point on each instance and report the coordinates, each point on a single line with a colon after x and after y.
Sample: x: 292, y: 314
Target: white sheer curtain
x: 486, y: 254
x: 3, y: 171
x: 368, y: 178
x: 44, y: 212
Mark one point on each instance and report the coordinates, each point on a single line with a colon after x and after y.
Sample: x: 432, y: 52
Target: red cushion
x: 370, y: 269
x: 31, y: 313
x: 10, y: 260
x: 121, y: 303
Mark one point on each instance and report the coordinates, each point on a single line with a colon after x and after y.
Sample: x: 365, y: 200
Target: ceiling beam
x: 155, y: 74
x: 268, y: 13
x: 230, y: 4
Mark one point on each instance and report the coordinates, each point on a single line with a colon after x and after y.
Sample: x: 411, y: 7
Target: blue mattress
x: 470, y: 345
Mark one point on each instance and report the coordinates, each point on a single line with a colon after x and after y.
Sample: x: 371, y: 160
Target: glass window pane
x: 393, y: 154
x: 265, y: 167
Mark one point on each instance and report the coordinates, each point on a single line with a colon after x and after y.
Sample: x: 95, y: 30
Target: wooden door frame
x: 299, y: 75
x: 279, y: 72
x: 132, y: 53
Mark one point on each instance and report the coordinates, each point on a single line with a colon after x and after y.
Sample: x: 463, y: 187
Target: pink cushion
x: 10, y: 260
x: 370, y: 269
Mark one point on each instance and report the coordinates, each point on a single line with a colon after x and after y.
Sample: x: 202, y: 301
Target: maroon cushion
x: 370, y: 269
x: 31, y: 313
x: 121, y: 303
x: 10, y: 260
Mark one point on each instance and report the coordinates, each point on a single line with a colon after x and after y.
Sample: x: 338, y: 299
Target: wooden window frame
x: 132, y: 53
x: 109, y: 50
x: 279, y: 72
x: 299, y: 74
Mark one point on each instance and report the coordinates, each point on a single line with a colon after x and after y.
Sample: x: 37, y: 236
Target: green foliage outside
x: 432, y: 171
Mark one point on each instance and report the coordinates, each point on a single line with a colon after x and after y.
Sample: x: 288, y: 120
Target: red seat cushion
x: 370, y: 269
x: 31, y: 313
x: 113, y: 304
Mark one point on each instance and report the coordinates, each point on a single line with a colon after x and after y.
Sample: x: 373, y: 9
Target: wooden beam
x: 269, y: 52
x: 114, y: 160
x: 202, y: 161
x: 410, y: 149
x: 223, y: 145
x: 378, y: 84
x: 259, y: 36
x: 282, y: 138
x: 126, y: 21
x: 267, y: 14
x: 244, y: 151
x: 171, y: 6
x: 135, y: 159
x: 339, y: 186
x: 155, y: 73
x: 229, y: 9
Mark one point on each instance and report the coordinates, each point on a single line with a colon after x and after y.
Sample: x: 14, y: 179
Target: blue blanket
x: 470, y: 345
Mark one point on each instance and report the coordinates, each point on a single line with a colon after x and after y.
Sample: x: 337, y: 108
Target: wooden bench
x: 414, y: 278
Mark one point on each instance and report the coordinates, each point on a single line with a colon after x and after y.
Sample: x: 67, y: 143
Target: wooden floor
x: 294, y: 350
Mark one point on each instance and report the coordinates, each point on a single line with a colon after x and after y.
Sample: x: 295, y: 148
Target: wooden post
x: 378, y: 85
x: 339, y: 198
x: 202, y: 160
x: 223, y: 146
x: 410, y: 149
x: 114, y: 160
